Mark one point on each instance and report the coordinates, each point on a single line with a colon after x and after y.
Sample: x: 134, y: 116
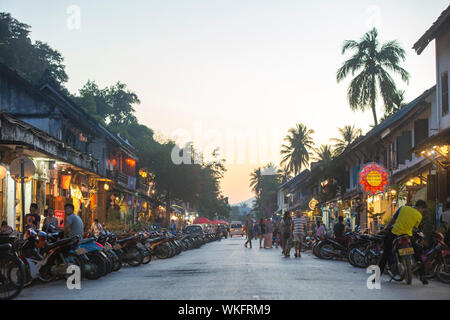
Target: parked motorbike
x: 102, y: 239
x: 51, y: 261
x: 436, y: 259
x: 12, y: 271
x: 330, y: 248
x: 129, y: 250
x: 399, y: 265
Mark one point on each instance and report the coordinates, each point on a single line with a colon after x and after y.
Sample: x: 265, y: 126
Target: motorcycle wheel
x: 147, y: 256
x: 315, y: 251
x: 162, y: 252
x: 358, y: 259
x: 323, y: 254
x: 12, y: 277
x: 350, y: 257
x: 443, y: 270
x: 117, y: 261
x: 97, y: 266
x: 137, y: 259
x: 78, y: 261
x: 408, y: 269
x: 371, y: 259
x: 108, y: 261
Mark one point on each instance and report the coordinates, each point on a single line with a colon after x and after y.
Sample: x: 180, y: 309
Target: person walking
x: 249, y: 230
x: 261, y: 231
x: 276, y: 231
x: 268, y: 235
x: 255, y: 229
x: 299, y: 231
x: 286, y: 234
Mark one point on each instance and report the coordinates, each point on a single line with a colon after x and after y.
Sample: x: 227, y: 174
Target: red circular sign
x: 373, y: 177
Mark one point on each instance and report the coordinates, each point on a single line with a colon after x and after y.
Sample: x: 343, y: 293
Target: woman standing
x: 268, y: 235
x: 261, y: 231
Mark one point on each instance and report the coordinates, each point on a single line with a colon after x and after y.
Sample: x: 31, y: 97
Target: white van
x: 236, y: 228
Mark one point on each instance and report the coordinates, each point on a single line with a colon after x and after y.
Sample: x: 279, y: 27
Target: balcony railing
x: 118, y: 177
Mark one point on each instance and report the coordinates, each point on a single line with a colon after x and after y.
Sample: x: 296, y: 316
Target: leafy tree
x: 348, y: 135
x: 324, y: 154
x: 372, y: 63
x: 267, y: 185
x: 30, y: 60
x: 285, y: 174
x: 256, y: 181
x: 121, y: 101
x: 398, y: 104
x: 297, y: 150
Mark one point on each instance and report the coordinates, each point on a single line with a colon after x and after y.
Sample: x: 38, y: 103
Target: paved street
x: 227, y: 270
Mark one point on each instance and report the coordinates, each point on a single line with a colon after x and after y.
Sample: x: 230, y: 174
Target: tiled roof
x: 302, y: 176
x: 390, y: 120
x: 440, y: 24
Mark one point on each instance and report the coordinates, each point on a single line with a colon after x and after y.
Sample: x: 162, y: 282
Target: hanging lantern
x: 130, y: 162
x: 65, y: 181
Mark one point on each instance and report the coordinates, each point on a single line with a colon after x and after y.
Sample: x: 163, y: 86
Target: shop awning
x: 215, y: 221
x: 202, y: 220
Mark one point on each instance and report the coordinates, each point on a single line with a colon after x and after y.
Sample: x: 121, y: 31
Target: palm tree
x: 297, y: 151
x: 256, y: 181
x: 373, y: 63
x: 348, y: 135
x: 323, y: 154
x: 285, y: 174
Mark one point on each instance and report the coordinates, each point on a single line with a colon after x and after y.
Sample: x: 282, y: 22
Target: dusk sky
x: 214, y: 69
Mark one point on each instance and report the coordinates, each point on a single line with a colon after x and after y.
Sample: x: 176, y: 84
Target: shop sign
x: 59, y: 214
x: 15, y: 169
x: 312, y: 204
x: 373, y: 177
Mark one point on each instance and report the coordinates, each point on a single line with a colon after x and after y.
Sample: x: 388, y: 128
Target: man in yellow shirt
x: 404, y: 220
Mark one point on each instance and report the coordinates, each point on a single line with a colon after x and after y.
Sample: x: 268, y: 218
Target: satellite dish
x: 29, y: 169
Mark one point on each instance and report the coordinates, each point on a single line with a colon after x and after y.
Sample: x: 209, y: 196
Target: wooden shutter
x: 404, y: 147
x: 420, y: 131
x: 444, y: 89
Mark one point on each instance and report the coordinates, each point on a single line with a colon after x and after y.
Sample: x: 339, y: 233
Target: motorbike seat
x: 152, y: 240
x: 86, y: 240
x: 5, y: 247
x: 125, y: 239
x: 58, y: 243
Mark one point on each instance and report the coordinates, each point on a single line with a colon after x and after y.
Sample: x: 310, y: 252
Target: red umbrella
x: 201, y: 220
x: 223, y: 221
x: 215, y: 221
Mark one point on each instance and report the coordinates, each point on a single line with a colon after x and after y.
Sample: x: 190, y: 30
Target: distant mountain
x: 248, y: 202
x: 244, y: 206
